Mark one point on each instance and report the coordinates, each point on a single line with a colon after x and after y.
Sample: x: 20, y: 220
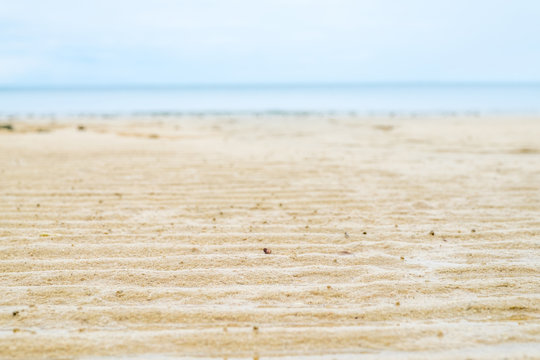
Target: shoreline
x: 361, y: 116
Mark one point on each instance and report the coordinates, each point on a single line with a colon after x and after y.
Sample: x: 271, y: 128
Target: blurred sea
x: 327, y: 98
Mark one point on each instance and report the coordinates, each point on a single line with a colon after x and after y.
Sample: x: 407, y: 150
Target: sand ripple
x: 390, y: 238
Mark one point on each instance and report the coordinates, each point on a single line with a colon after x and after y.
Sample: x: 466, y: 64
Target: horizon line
x: 256, y: 85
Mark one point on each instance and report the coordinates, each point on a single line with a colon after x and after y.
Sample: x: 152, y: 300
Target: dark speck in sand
x: 385, y: 127
x: 255, y: 328
x: 432, y: 233
x: 346, y: 235
x: 15, y: 313
x: 37, y: 205
x: 345, y: 252
x: 473, y: 230
x: 267, y: 251
x: 81, y: 127
x: 365, y: 232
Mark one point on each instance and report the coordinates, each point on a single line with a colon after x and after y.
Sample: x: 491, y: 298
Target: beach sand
x: 388, y: 237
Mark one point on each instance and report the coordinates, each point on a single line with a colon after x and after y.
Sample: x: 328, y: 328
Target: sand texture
x: 389, y: 237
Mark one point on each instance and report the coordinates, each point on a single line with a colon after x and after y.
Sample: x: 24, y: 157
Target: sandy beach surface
x: 387, y: 237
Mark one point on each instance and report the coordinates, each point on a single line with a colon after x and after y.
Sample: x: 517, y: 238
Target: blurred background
x: 166, y: 56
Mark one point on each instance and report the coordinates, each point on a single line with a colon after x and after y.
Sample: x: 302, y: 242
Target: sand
x: 389, y: 237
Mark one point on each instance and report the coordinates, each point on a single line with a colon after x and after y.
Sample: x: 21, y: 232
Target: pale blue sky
x: 59, y: 42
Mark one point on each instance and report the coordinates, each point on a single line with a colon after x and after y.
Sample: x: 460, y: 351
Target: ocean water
x: 337, y: 98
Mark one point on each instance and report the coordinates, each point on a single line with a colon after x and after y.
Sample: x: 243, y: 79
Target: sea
x: 362, y: 99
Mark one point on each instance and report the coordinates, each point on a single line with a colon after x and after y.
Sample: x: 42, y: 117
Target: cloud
x: 61, y: 41
x: 15, y: 67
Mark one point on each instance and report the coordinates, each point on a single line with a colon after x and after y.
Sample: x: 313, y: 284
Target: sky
x: 131, y: 42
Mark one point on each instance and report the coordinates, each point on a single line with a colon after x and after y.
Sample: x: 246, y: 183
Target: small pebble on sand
x: 267, y: 251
